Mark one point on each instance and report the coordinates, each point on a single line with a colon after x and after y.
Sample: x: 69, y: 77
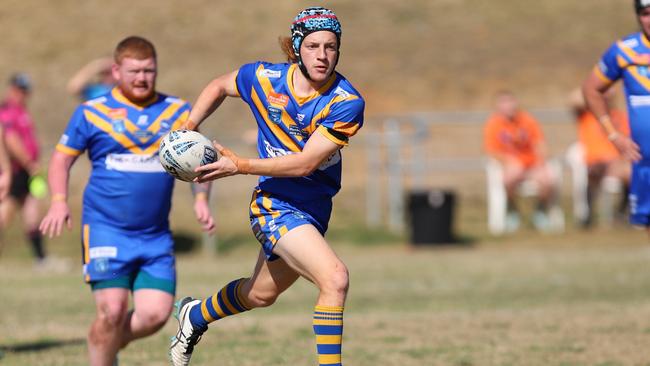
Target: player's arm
x: 211, y: 98
x: 317, y: 149
x: 5, y: 168
x: 58, y: 176
x: 84, y: 76
x: 201, y: 192
x: 594, y: 89
x: 18, y: 152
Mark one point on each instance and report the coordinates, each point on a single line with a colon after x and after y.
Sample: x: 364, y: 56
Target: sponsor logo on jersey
x: 134, y: 163
x: 103, y: 252
x: 101, y: 265
x: 117, y: 113
x: 278, y: 99
x: 96, y: 101
x: 296, y: 131
x: 165, y: 126
x: 339, y: 91
x: 331, y: 161
x: 632, y: 42
x: 275, y: 114
x: 273, y: 152
x: 300, y: 117
x: 143, y: 120
x: 639, y: 100
x: 270, y: 73
x: 174, y: 100
x: 118, y: 126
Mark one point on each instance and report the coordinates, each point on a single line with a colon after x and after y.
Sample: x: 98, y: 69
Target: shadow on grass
x: 42, y: 345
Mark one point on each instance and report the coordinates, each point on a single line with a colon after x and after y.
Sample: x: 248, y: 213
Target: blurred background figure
x: 26, y: 186
x: 515, y: 140
x: 599, y: 154
x: 93, y: 79
x: 5, y: 169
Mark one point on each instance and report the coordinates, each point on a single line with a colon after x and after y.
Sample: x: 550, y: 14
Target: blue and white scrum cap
x: 640, y: 5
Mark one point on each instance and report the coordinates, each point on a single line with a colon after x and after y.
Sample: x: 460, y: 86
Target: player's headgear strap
x: 640, y: 5
x: 310, y: 20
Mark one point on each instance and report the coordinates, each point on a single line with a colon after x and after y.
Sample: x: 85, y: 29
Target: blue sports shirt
x: 286, y: 121
x: 128, y: 188
x: 629, y: 59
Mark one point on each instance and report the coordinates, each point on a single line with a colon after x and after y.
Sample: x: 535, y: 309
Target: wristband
x: 59, y: 197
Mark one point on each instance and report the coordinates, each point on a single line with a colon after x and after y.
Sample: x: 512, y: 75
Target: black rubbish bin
x: 431, y: 216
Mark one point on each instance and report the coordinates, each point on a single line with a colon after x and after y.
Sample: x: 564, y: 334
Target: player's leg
x: 151, y: 309
x: 513, y: 174
x: 268, y: 281
x: 306, y: 251
x: 31, y: 216
x: 7, y: 209
x: 105, y: 335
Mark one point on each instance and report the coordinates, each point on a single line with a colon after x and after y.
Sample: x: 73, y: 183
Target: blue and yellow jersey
x: 629, y: 59
x: 286, y: 121
x: 128, y: 188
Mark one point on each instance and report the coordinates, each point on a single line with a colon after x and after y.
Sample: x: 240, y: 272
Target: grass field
x: 579, y: 299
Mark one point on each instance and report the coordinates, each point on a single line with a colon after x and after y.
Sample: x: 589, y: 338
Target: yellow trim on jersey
x: 86, y: 243
x: 645, y: 40
x: 326, y: 110
x: 268, y: 88
x: 117, y: 94
x: 153, y: 147
x: 67, y: 150
x: 108, y: 128
x: 275, y: 129
x: 166, y: 114
x: 621, y: 61
x: 323, y: 131
x: 347, y: 128
x: 302, y: 100
x: 639, y: 78
x: 130, y: 126
x: 599, y: 73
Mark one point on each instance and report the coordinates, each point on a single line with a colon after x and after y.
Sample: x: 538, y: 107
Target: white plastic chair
x: 497, y: 202
x: 610, y: 187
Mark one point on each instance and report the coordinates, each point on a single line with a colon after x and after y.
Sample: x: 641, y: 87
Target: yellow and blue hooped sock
x: 328, y: 326
x: 224, y: 303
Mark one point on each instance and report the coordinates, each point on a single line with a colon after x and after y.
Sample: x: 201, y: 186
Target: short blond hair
x: 135, y: 47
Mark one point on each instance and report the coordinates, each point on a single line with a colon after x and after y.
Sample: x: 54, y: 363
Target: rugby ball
x: 182, y: 151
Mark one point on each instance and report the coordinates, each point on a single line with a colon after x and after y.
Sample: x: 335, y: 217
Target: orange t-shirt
x: 592, y: 137
x: 518, y: 138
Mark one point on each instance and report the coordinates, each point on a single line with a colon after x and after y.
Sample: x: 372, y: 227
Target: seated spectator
x: 93, y: 80
x: 514, y: 138
x: 600, y: 155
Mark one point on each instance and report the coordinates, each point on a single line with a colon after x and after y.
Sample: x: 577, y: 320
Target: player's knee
x: 111, y: 315
x: 337, y: 282
x: 261, y: 299
x: 153, y: 319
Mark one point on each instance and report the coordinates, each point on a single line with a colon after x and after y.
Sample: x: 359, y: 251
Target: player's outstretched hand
x: 57, y: 216
x: 627, y: 147
x: 204, y: 216
x: 227, y: 165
